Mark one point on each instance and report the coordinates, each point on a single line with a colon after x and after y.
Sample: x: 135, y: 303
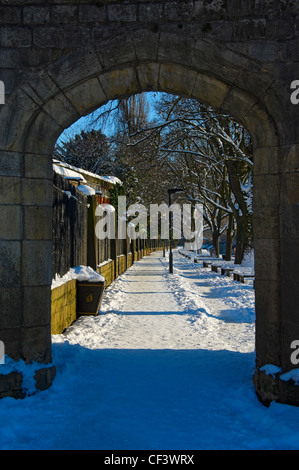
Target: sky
x: 86, y: 122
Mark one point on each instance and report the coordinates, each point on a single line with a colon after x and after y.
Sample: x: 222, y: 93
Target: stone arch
x: 64, y: 108
x: 51, y: 98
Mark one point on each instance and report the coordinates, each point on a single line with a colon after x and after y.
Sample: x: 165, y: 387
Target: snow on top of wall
x: 112, y: 179
x: 88, y: 190
x: 68, y: 173
x: 104, y: 262
x: 80, y: 171
x: 80, y: 273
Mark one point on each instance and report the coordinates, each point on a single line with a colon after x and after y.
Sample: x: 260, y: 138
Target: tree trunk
x: 244, y: 235
x: 244, y: 239
x: 216, y: 248
x: 229, y: 238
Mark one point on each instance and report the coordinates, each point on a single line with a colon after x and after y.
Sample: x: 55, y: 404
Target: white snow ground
x: 167, y: 364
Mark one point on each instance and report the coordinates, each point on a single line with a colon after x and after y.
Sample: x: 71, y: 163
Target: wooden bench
x: 244, y: 276
x: 226, y: 271
x: 215, y: 267
x: 206, y: 264
x: 199, y: 259
x: 185, y: 254
x: 218, y: 265
x: 240, y: 277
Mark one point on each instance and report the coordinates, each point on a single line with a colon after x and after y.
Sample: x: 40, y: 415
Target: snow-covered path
x: 146, y: 308
x: 166, y: 365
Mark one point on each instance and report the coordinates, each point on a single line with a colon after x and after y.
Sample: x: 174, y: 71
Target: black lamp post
x: 170, y: 192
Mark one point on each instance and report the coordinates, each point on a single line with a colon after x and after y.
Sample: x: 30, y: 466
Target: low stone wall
x: 107, y: 270
x: 121, y: 264
x: 129, y: 260
x: 138, y: 255
x: 64, y: 297
x: 63, y: 306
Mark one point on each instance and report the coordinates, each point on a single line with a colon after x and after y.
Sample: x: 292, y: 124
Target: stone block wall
x: 62, y: 59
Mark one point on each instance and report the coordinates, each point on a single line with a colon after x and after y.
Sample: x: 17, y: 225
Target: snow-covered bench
x: 227, y: 270
x: 240, y: 274
x: 206, y: 263
x: 204, y: 257
x: 217, y: 265
x: 187, y: 255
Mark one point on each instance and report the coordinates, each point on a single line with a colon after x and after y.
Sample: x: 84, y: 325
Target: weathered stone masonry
x: 62, y: 59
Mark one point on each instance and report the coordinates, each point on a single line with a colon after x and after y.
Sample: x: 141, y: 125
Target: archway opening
x: 76, y: 98
x: 175, y: 142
